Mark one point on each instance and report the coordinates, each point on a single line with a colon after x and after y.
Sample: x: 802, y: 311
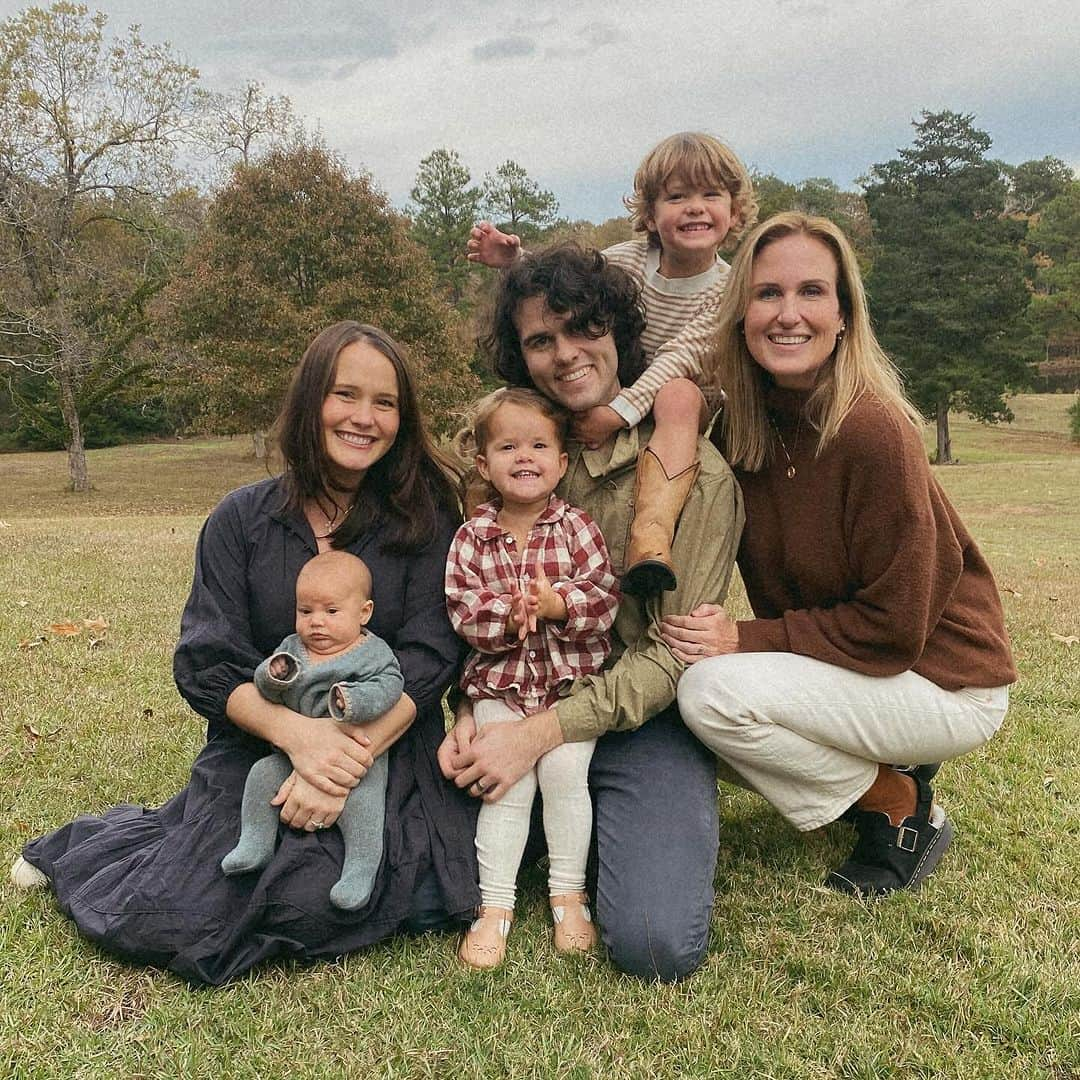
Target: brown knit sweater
x: 861, y: 561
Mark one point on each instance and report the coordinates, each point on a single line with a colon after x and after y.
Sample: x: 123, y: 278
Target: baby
x: 331, y: 666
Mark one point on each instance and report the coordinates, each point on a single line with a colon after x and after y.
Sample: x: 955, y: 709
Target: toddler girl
x: 530, y: 588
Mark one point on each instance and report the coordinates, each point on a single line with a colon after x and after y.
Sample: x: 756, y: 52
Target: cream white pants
x: 809, y: 736
x: 502, y: 827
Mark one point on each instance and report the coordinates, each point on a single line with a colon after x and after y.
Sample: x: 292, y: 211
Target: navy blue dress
x: 147, y: 883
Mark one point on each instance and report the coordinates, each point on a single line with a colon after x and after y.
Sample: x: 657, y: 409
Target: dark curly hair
x: 574, y: 281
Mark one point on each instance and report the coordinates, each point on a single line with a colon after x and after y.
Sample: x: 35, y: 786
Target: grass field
x: 978, y: 975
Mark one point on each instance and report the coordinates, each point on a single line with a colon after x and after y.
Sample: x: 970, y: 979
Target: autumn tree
x: 516, y: 203
x: 293, y: 243
x: 947, y: 287
x: 445, y: 206
x: 87, y: 135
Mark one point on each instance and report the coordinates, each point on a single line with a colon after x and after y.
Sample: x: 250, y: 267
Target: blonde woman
x: 878, y: 639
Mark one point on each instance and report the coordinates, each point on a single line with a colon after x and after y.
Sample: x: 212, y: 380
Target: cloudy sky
x: 576, y: 93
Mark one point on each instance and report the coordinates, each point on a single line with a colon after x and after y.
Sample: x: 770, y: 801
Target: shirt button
x: 532, y: 655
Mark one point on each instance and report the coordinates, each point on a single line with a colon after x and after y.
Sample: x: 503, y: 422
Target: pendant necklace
x: 790, y: 470
x: 332, y: 523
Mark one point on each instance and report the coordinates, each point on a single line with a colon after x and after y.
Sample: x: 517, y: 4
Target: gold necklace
x: 790, y: 471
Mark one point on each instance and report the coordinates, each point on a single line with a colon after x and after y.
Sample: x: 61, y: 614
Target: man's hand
x: 493, y: 248
x: 501, y: 754
x: 595, y: 426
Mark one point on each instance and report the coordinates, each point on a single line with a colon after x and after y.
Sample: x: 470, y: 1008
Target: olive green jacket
x: 639, y: 678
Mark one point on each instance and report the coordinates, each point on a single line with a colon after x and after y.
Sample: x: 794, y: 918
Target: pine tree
x: 947, y: 287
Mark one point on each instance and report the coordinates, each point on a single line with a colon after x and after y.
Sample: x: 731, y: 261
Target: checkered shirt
x: 483, y: 568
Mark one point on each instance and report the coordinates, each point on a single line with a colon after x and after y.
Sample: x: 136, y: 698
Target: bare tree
x: 88, y: 134
x: 240, y: 121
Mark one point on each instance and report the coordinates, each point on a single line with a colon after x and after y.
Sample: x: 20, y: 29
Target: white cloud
x: 798, y: 87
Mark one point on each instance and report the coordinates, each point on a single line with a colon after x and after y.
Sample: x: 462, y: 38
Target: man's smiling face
x: 565, y: 365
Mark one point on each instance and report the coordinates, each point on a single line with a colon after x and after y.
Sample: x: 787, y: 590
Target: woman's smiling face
x: 793, y: 316
x: 360, y: 414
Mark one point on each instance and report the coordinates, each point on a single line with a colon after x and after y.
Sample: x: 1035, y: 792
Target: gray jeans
x: 809, y: 736
x: 657, y: 831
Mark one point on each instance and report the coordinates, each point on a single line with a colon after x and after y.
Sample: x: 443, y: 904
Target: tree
x: 1033, y: 184
x: 824, y: 198
x: 238, y: 121
x: 87, y: 136
x: 445, y: 208
x: 293, y: 243
x: 773, y: 194
x: 516, y: 203
x: 1055, y: 245
x: 947, y: 287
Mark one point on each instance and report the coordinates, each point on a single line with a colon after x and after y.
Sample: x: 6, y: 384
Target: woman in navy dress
x: 360, y: 474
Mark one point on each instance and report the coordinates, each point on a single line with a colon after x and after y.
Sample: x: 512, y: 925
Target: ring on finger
x: 481, y: 788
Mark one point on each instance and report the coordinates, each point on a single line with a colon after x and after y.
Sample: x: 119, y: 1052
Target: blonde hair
x: 858, y: 363
x: 697, y: 159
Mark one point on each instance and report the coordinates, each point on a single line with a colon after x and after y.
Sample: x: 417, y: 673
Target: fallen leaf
x: 96, y: 624
x: 148, y: 713
x: 65, y: 629
x: 1052, y: 599
x: 31, y: 643
x: 1009, y: 589
x: 35, y: 734
x: 1072, y: 639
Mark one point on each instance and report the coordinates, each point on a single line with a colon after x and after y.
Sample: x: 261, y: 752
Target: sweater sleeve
x: 641, y: 682
x: 369, y: 692
x: 679, y: 358
x: 904, y: 556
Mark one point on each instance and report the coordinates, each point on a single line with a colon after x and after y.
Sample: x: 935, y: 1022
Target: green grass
x: 975, y: 976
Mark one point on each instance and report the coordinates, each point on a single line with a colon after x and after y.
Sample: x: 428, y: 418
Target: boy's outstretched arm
x: 493, y: 248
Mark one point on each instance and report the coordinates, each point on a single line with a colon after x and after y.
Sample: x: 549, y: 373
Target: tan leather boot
x: 658, y: 501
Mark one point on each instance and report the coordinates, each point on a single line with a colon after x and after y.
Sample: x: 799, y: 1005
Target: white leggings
x: 503, y: 827
x: 809, y: 736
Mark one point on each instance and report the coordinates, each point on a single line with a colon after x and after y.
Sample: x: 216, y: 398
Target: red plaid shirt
x: 483, y: 568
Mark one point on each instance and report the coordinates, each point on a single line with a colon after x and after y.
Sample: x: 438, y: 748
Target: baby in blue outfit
x: 331, y: 666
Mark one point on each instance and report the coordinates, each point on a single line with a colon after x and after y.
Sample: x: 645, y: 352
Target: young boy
x: 332, y: 666
x: 691, y: 196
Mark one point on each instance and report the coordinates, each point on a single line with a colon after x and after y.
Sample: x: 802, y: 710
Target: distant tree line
x: 139, y: 300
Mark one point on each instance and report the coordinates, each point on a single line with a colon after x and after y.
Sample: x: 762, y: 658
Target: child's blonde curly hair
x: 700, y: 160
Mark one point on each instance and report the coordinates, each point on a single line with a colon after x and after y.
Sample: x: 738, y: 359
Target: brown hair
x: 405, y: 489
x: 700, y: 160
x: 858, y: 363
